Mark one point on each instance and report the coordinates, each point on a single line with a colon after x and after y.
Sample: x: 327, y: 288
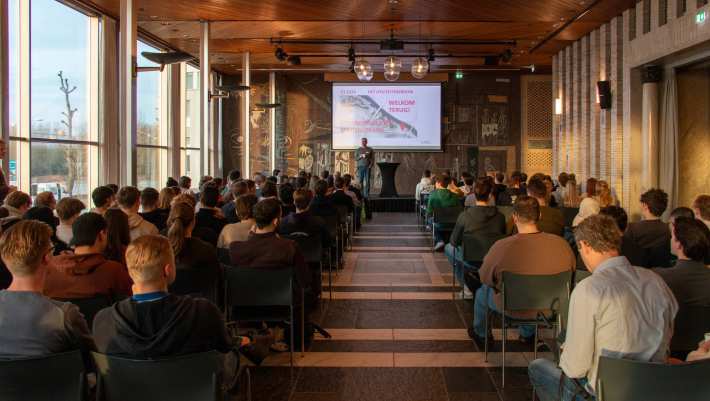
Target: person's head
x: 186, y: 198
x: 500, y: 177
x: 68, y: 209
x: 588, y: 207
x: 129, y: 199
x: 302, y: 199
x: 258, y: 179
x: 251, y: 186
x: 238, y: 188
x: 681, y: 212
x: 563, y: 179
x: 149, y: 199
x: 325, y: 174
x: 321, y: 188
x: 516, y: 178
x: 43, y: 214
x: 234, y: 176
x: 653, y: 203
x: 181, y: 221
x: 113, y: 187
x: 363, y: 141
x: 19, y: 200
x: 119, y: 232
x: 103, y: 197
x: 276, y: 172
x: 209, y: 196
x: 538, y: 190
x: 526, y: 211
x: 204, y: 180
x: 90, y: 230
x: 272, y: 179
x: 339, y: 183
x: 26, y: 249
x: 591, y: 186
x: 482, y: 190
x: 286, y: 194
x: 427, y: 174
x: 151, y: 264
x: 301, y: 182
x: 598, y: 239
x: 269, y: 190
x: 217, y: 181
x: 244, y: 206
x: 547, y: 180
x: 701, y: 207
x: 46, y: 198
x: 523, y: 178
x: 267, y: 213
x: 618, y: 214
x: 185, y: 182
x: 171, y: 182
x: 348, y: 180
x: 468, y: 181
x: 165, y: 198
x: 443, y: 181
x: 690, y: 239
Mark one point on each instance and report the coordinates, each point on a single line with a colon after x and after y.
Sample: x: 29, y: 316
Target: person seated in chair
x: 88, y: 273
x: 340, y: 197
x: 209, y: 215
x: 239, y: 232
x: 30, y: 323
x: 651, y: 234
x: 481, y: 218
x: 701, y: 207
x: 68, y: 210
x: 153, y: 323
x: 129, y: 202
x: 149, y: 208
x: 103, y: 198
x: 236, y: 189
x: 303, y: 221
x: 530, y: 251
x: 438, y: 198
x: 551, y: 219
x: 322, y: 205
x: 619, y: 310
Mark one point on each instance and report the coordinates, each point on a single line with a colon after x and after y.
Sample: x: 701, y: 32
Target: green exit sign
x: 459, y: 74
x: 700, y: 16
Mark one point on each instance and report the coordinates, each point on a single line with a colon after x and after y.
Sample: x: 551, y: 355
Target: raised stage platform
x: 403, y: 203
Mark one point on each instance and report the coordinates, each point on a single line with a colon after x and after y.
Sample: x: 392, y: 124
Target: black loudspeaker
x: 604, y: 91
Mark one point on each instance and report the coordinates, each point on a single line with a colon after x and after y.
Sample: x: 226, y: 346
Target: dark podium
x: 387, y: 170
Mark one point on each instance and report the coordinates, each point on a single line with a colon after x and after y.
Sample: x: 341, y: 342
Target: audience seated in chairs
x: 269, y: 190
x: 204, y: 233
x: 480, y: 218
x: 629, y: 249
x: 441, y: 197
x: 530, y: 251
x: 149, y: 208
x: 651, y: 234
x: 119, y: 235
x: 233, y: 177
x: 619, y: 310
x: 588, y: 207
x: 103, y: 198
x: 560, y: 194
x: 229, y: 211
x: 191, y: 253
x: 286, y: 198
x: 500, y: 190
x: 239, y: 232
x: 551, y: 219
x: 30, y: 323
x: 701, y: 207
x: 340, y: 197
x: 68, y: 210
x: 16, y: 204
x: 210, y: 216
x: 153, y: 323
x: 46, y: 199
x: 303, y: 221
x: 322, y: 205
x: 425, y: 185
x: 129, y: 202
x: 45, y: 215
x: 88, y: 273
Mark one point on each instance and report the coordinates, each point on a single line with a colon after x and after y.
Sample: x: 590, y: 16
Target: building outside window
x: 190, y: 138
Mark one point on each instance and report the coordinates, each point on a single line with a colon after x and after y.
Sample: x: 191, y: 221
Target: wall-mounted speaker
x: 604, y: 91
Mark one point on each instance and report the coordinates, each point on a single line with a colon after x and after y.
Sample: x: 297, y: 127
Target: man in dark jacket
x: 485, y: 221
x: 303, y: 221
x: 339, y: 197
x: 651, y: 234
x: 229, y: 210
x: 209, y: 216
x: 153, y: 323
x: 322, y: 205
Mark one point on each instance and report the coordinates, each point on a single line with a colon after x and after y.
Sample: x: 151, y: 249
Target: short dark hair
x: 113, y: 187
x: 427, y: 173
x: 468, y: 180
x: 269, y: 189
x: 149, y: 196
x: 185, y: 182
x: 682, y: 211
x: 325, y: 174
x: 302, y: 198
x: 482, y: 190
x: 339, y: 182
x: 244, y: 206
x: 209, y: 195
x: 301, y: 182
x: 234, y: 175
x: 500, y: 176
x: 527, y: 209
x: 273, y: 179
x: 43, y: 214
x: 172, y: 182
x: 239, y: 188
x: 444, y: 180
x: 69, y: 207
x: 563, y: 178
x: 702, y: 203
x: 128, y: 196
x: 537, y: 188
x: 86, y: 229
x: 693, y: 236
x: 618, y: 214
x: 101, y: 195
x: 265, y: 211
x: 600, y: 232
x: 656, y: 200
x: 321, y: 188
x: 286, y: 193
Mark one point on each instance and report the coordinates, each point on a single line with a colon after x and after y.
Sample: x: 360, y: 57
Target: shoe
x: 478, y: 340
x: 439, y: 245
x: 467, y: 293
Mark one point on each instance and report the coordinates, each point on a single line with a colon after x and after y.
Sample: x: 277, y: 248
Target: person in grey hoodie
x: 482, y: 219
x: 129, y: 202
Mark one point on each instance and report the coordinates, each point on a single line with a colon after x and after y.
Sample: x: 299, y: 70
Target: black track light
x: 280, y: 54
x: 506, y: 56
x: 294, y: 60
x: 351, y: 54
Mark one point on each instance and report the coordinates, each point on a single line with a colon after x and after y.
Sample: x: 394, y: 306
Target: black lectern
x: 387, y: 170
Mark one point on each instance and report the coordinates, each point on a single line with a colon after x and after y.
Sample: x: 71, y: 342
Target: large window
x: 53, y: 98
x: 151, y: 130
x: 190, y: 137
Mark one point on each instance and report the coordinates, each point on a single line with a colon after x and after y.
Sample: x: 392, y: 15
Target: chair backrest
x: 580, y: 275
x: 691, y: 324
x: 569, y: 213
x: 89, y: 307
x: 625, y: 380
x: 536, y: 292
x: 183, y: 378
x: 477, y: 244
x: 195, y: 282
x: 331, y: 223
x: 311, y: 247
x: 446, y: 215
x: 253, y: 286
x: 342, y: 212
x: 58, y: 377
x: 223, y: 255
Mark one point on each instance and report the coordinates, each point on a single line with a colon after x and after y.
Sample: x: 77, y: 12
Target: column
x: 127, y: 91
x: 651, y: 76
x: 205, y: 115
x: 244, y: 107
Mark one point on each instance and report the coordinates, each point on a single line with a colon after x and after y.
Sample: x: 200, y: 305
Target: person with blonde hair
x: 154, y: 323
x: 30, y: 323
x: 604, y: 195
x: 47, y: 199
x: 588, y: 207
x: 165, y: 198
x: 571, y: 194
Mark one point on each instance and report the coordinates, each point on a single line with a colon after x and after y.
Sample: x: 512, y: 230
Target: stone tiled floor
x: 398, y: 332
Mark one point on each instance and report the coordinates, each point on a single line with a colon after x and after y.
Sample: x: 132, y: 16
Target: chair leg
x: 485, y: 342
x: 453, y: 277
x: 248, y: 386
x: 535, y: 343
x: 293, y: 323
x: 303, y: 324
x: 505, y: 335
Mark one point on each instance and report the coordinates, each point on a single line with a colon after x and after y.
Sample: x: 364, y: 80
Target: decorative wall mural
x: 494, y: 125
x: 343, y: 162
x: 492, y: 161
x: 306, y: 160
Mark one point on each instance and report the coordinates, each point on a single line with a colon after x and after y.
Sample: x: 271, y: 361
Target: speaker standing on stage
x: 365, y: 158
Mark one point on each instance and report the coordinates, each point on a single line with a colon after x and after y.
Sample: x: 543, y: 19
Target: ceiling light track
x: 564, y: 26
x: 462, y: 42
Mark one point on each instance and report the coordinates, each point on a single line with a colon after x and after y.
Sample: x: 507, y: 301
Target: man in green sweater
x: 441, y: 197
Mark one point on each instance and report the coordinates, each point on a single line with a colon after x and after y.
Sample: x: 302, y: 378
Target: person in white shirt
x: 619, y: 311
x: 239, y: 232
x: 68, y: 210
x: 425, y: 185
x: 129, y: 201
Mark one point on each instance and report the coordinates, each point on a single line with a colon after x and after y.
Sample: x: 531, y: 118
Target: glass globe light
x: 392, y: 75
x: 363, y: 70
x: 420, y: 67
x: 392, y: 63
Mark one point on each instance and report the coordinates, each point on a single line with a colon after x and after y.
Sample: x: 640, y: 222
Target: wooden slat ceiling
x: 249, y: 25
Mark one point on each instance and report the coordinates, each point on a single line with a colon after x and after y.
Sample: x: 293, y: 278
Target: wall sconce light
x: 558, y: 106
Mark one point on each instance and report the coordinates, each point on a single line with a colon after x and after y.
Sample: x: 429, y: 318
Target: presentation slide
x: 391, y: 116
